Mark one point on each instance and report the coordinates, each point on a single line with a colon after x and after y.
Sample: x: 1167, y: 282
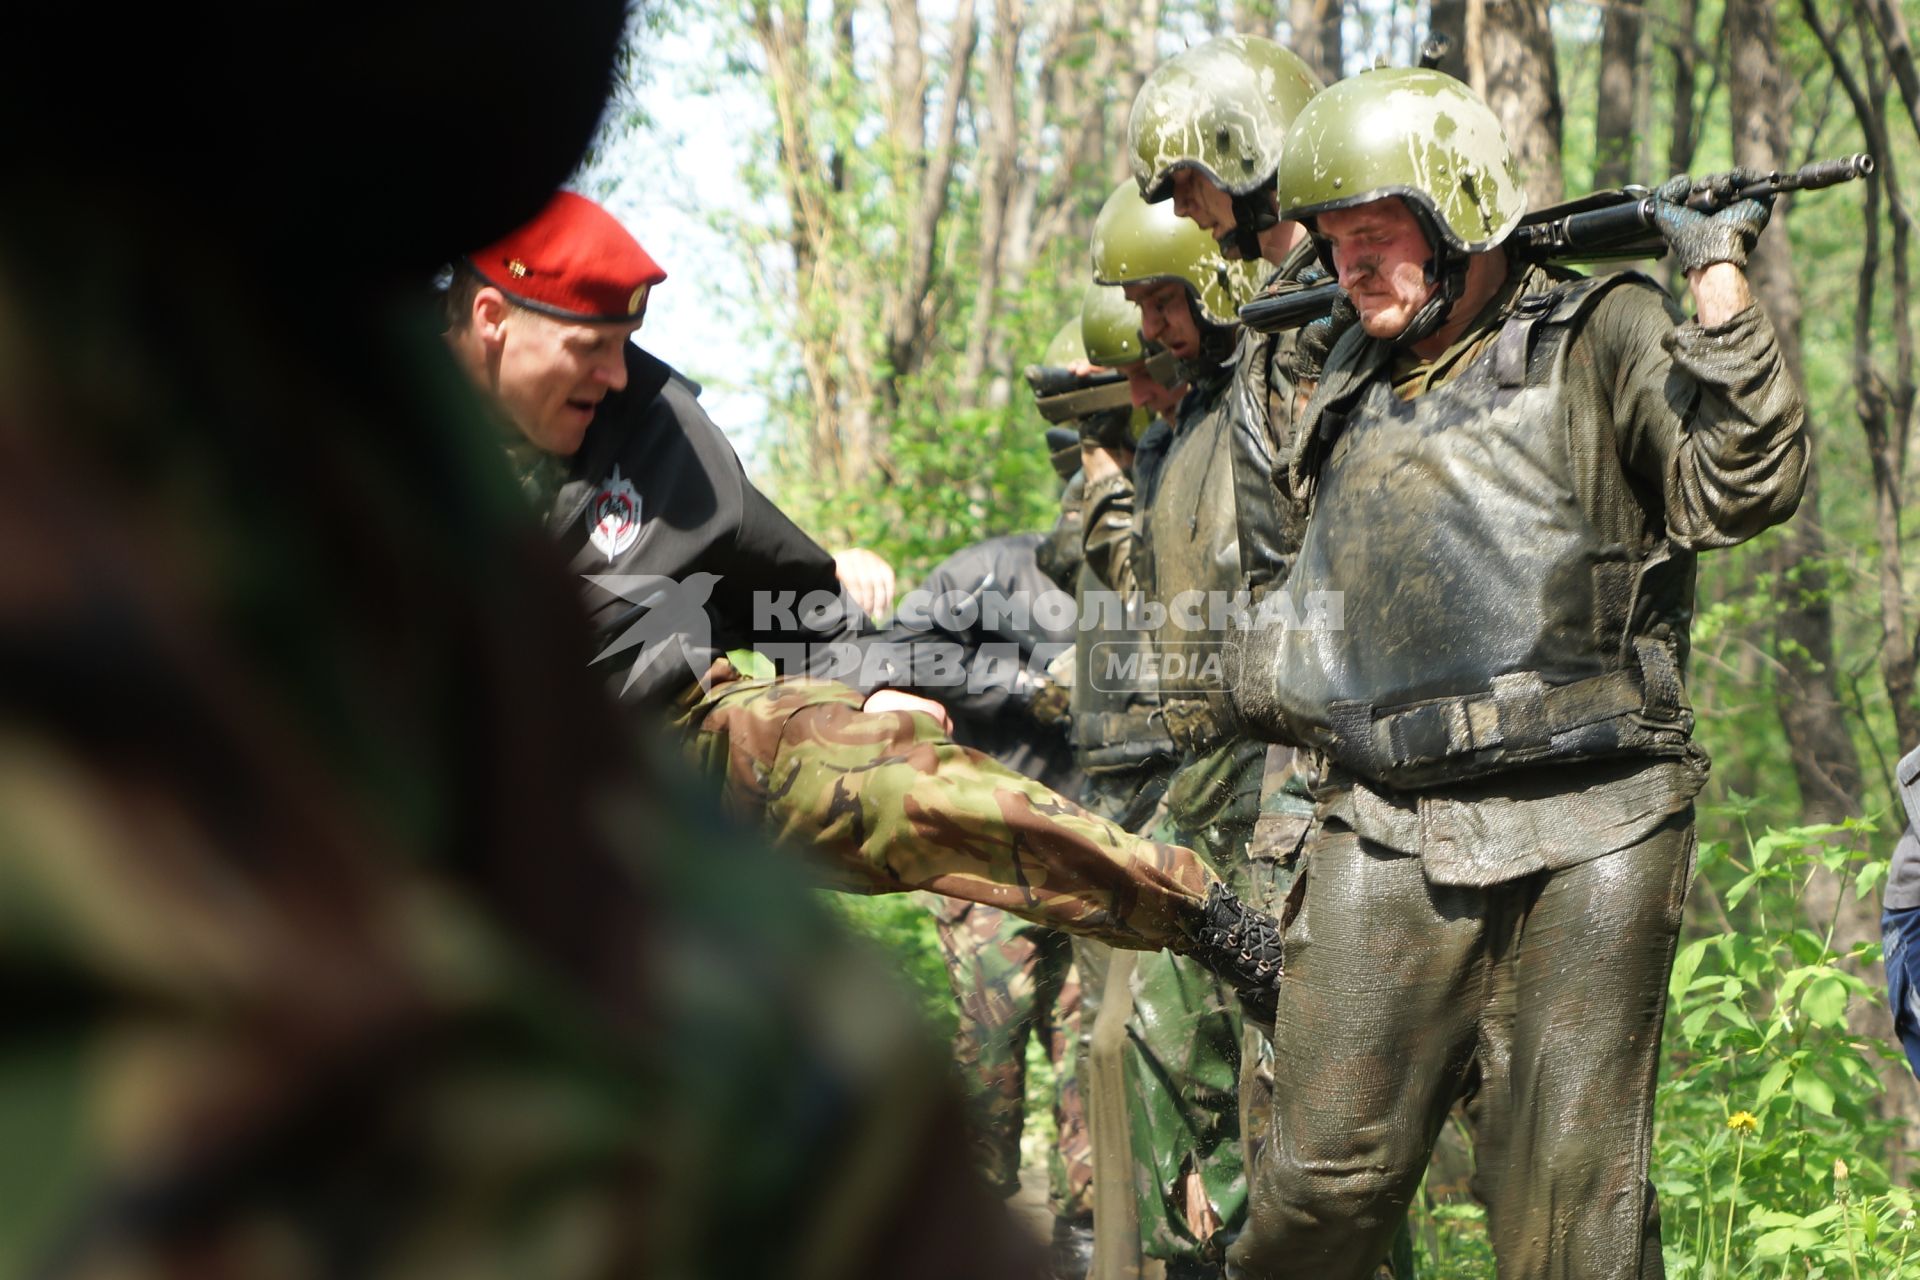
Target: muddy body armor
x: 1191, y: 563
x: 1116, y: 723
x: 1484, y: 623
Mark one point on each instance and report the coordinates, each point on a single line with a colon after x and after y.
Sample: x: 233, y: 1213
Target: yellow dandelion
x: 1743, y: 1122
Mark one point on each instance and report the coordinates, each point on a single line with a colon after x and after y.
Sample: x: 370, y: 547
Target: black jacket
x: 974, y: 636
x: 682, y: 559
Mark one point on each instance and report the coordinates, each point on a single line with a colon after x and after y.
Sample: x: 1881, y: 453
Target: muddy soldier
x: 1207, y: 132
x: 1119, y: 740
x: 684, y: 560
x: 1163, y: 538
x: 1510, y: 473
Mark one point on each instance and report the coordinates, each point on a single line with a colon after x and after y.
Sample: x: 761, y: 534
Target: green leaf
x: 1685, y: 965
x: 1773, y: 1081
x: 1825, y: 1002
x: 1735, y: 1014
x: 1795, y: 978
x: 1870, y: 875
x: 1814, y: 1093
x: 1786, y: 1240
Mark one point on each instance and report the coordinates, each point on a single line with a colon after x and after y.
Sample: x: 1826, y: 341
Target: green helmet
x: 1110, y: 328
x: 1137, y: 243
x: 1066, y: 349
x: 1223, y: 108
x: 1408, y: 132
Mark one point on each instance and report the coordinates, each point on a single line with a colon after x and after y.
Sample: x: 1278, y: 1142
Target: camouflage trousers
x: 893, y: 804
x: 1184, y: 1104
x: 1014, y: 980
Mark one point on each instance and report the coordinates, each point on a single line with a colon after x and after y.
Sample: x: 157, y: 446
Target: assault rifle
x: 1607, y: 226
x: 1065, y: 396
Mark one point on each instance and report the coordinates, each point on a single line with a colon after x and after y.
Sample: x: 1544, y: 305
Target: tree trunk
x: 1892, y: 28
x: 1806, y: 691
x: 996, y: 162
x: 1315, y: 27
x: 781, y: 31
x: 1523, y: 88
x: 908, y: 317
x: 1618, y: 95
x: 1825, y: 762
x: 1255, y: 17
x: 1449, y: 18
x: 1143, y: 57
x: 1885, y: 412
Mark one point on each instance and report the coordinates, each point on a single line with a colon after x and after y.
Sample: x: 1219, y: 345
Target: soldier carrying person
x: 1509, y: 471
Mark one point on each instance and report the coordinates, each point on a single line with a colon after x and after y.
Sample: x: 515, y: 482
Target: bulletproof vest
x: 1115, y: 702
x: 1482, y: 620
x: 1191, y: 557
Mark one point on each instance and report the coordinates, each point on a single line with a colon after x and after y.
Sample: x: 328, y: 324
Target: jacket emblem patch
x: 613, y: 517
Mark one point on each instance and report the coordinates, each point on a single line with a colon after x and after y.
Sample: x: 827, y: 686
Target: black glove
x: 1110, y: 429
x: 1242, y: 946
x: 1316, y: 338
x: 1701, y: 239
x: 1311, y: 348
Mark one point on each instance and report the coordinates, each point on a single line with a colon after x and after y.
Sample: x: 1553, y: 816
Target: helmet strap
x: 1253, y: 213
x: 1447, y: 269
x: 1217, y: 345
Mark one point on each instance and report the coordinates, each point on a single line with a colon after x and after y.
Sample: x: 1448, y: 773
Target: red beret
x: 574, y: 261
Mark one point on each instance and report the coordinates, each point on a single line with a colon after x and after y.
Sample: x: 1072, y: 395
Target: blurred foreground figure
x: 344, y: 929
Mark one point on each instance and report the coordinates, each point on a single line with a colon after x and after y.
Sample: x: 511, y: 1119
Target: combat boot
x: 1242, y: 946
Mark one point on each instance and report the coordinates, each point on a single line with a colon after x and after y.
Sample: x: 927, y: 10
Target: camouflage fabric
x: 1183, y: 1077
x: 1013, y: 980
x: 1187, y: 1035
x: 335, y: 946
x: 891, y: 803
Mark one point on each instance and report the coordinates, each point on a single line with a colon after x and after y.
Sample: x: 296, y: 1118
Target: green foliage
x: 1764, y: 1091
x: 903, y: 927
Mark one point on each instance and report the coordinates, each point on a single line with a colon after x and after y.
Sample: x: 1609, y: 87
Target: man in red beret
x: 643, y: 491
x: 688, y: 565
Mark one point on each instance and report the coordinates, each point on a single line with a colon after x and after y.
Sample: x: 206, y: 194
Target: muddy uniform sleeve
x: 1269, y: 526
x: 1712, y: 416
x: 1111, y: 544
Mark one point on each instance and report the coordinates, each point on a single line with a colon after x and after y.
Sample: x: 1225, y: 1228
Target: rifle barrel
x: 1719, y: 192
x: 1289, y: 310
x: 1605, y: 226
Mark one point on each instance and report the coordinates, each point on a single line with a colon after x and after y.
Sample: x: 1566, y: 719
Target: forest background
x: 919, y: 188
